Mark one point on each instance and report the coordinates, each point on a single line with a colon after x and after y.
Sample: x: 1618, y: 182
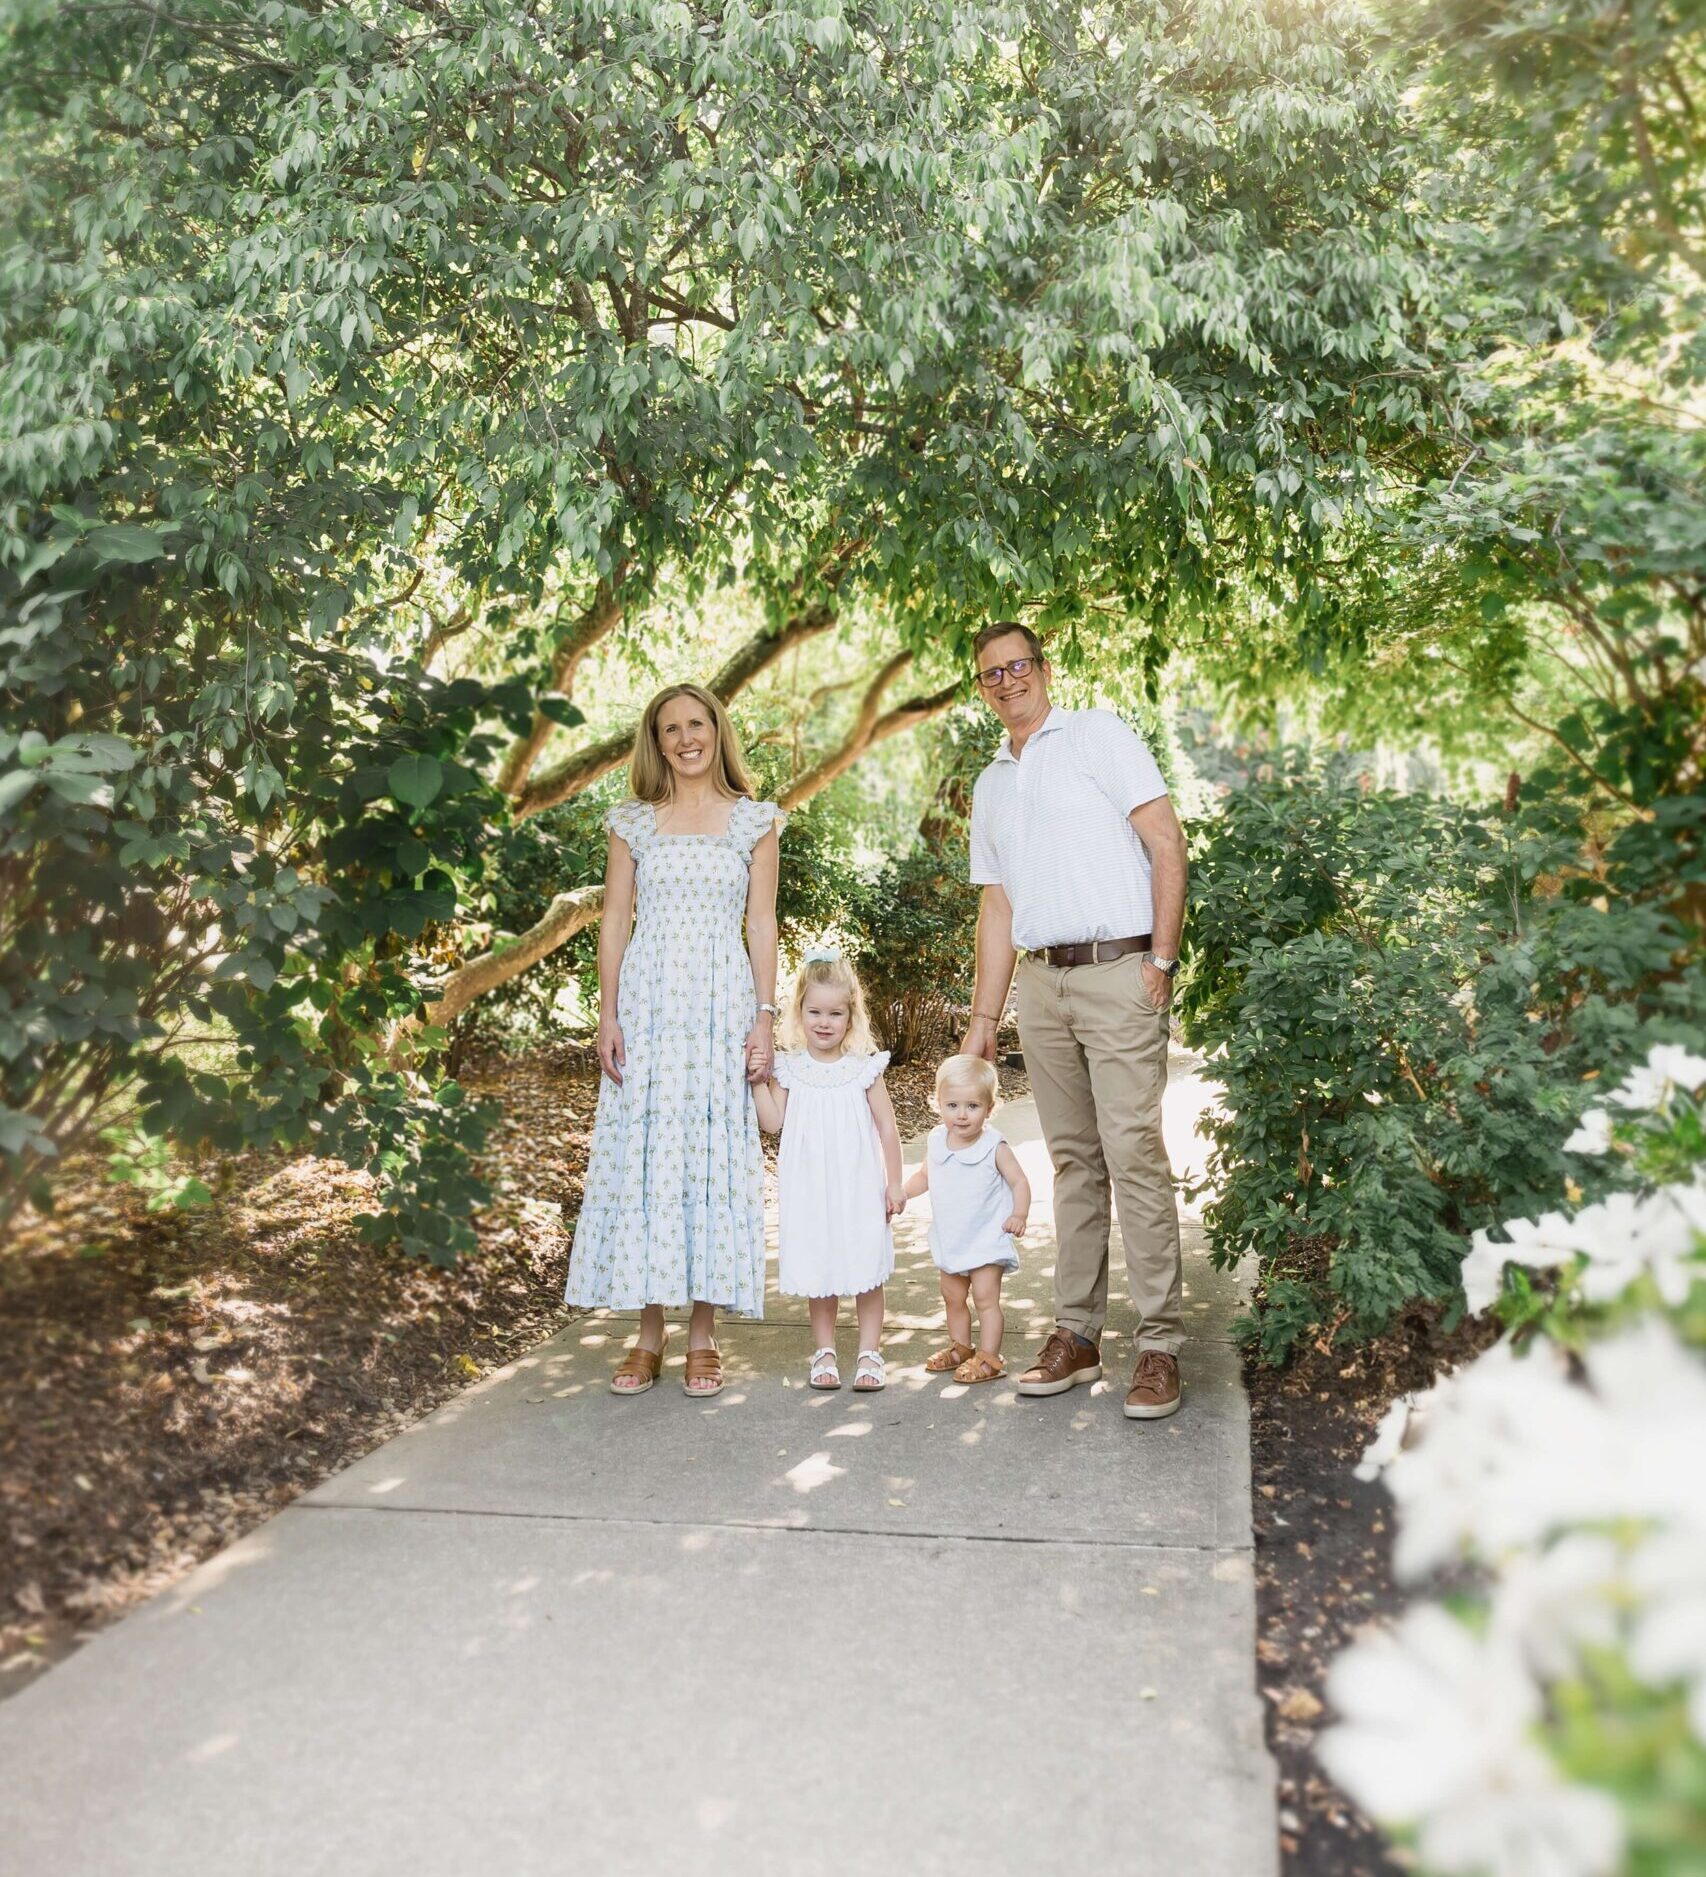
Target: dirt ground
x: 1323, y: 1559
x: 173, y: 1379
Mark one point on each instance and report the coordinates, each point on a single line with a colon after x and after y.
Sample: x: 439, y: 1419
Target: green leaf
x: 415, y: 780
x: 126, y: 543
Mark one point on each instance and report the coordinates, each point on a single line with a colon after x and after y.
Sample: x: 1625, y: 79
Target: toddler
x: 838, y: 1172
x: 979, y: 1198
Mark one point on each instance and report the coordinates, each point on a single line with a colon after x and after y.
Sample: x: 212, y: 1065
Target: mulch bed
x: 1324, y: 1558
x: 171, y: 1380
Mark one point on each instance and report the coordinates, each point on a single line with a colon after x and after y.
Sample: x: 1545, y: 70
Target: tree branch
x: 599, y: 618
x: 580, y: 770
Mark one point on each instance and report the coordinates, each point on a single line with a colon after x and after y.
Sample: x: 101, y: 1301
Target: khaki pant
x: 1096, y: 1051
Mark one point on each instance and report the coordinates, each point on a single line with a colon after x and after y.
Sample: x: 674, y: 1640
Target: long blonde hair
x: 650, y: 778
x: 833, y: 973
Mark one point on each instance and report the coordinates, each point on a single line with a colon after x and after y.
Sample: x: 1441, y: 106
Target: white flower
x: 1668, y: 1066
x: 1540, y: 1244
x: 1652, y: 1391
x: 1547, y: 1604
x: 1435, y: 1732
x: 1628, y: 1234
x: 1389, y: 1437
x: 1592, y: 1135
x: 1668, y: 1579
x: 1513, y: 1451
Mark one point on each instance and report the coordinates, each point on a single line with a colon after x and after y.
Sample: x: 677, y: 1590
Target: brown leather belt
x: 1095, y: 951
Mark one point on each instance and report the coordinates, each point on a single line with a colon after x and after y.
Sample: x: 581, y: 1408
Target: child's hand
x: 1014, y: 1225
x: 894, y: 1199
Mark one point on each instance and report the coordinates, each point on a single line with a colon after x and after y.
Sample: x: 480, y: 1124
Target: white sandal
x: 826, y: 1372
x: 870, y: 1372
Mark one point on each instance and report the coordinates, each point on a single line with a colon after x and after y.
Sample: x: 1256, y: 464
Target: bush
x: 915, y: 925
x: 1411, y: 999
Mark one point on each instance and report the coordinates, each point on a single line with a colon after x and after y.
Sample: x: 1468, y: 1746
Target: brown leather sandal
x: 949, y: 1358
x: 644, y: 1363
x: 703, y: 1365
x: 980, y: 1367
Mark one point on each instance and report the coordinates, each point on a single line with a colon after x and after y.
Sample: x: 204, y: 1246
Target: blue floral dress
x: 673, y: 1208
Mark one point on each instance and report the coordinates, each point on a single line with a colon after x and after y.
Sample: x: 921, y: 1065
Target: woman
x: 673, y: 1211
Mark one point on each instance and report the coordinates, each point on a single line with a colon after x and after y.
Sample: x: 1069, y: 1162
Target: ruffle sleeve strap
x: 750, y: 821
x: 633, y: 822
x: 871, y: 1067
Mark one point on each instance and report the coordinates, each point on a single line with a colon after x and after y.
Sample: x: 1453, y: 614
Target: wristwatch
x: 1168, y: 967
x: 771, y: 1008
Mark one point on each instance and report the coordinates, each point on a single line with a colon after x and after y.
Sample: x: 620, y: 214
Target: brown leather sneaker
x: 1154, y: 1392
x: 1062, y: 1363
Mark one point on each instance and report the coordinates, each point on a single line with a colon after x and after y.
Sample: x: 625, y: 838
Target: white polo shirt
x: 1050, y: 826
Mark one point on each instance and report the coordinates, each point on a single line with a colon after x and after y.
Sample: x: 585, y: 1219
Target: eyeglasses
x: 992, y: 675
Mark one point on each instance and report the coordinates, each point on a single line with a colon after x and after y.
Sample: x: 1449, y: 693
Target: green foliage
x: 1409, y: 1001
x: 915, y: 925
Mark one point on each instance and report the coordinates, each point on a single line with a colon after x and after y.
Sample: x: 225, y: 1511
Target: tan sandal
x: 703, y: 1365
x: 981, y: 1367
x: 646, y: 1364
x: 950, y: 1358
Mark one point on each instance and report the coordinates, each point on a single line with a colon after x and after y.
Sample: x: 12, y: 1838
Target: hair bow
x: 822, y: 955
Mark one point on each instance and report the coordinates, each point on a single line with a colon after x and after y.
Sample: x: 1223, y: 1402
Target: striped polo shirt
x: 1050, y: 827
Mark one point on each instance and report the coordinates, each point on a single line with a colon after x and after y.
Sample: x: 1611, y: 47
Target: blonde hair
x: 832, y: 974
x: 650, y: 778
x: 976, y: 1073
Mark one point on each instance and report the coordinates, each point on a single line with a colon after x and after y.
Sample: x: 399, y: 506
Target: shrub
x: 915, y: 925
x: 1410, y: 999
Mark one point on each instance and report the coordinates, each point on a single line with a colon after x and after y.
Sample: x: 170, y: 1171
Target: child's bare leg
x: 986, y: 1294
x: 956, y: 1287
x: 868, y: 1308
x: 821, y: 1311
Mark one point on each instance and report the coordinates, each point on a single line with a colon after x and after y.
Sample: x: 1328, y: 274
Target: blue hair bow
x: 822, y: 955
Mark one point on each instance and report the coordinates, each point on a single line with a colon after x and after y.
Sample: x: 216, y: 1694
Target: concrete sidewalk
x: 548, y: 1631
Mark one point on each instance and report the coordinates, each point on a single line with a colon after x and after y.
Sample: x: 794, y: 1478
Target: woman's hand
x: 894, y: 1199
x: 612, y: 1051
x: 760, y: 1049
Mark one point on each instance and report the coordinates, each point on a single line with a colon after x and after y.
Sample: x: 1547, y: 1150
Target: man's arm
x: 996, y: 957
x: 1157, y: 827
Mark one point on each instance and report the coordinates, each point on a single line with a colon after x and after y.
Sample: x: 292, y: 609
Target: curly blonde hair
x: 833, y: 974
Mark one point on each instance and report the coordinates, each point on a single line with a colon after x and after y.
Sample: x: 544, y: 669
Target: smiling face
x: 1020, y: 702
x: 687, y: 736
x: 825, y: 1015
x: 964, y: 1111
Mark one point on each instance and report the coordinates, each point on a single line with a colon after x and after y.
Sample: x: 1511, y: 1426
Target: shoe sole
x: 1153, y: 1414
x: 1091, y: 1374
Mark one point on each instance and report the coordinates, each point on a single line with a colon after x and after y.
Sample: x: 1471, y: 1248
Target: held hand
x: 1014, y: 1225
x: 894, y: 1200
x: 1158, y: 986
x: 980, y: 1039
x: 612, y: 1052
x: 760, y: 1050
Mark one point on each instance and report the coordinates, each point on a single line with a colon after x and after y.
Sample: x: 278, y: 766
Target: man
x: 1083, y: 868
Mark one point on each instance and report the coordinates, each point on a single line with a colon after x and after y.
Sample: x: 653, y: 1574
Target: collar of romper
x: 969, y: 1156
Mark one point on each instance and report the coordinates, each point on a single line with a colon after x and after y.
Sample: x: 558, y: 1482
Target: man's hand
x: 1158, y: 986
x: 980, y: 1039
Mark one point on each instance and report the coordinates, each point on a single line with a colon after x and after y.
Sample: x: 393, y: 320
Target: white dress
x: 834, y: 1238
x: 968, y: 1202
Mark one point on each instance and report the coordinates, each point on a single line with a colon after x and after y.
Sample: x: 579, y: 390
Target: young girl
x: 979, y: 1198
x: 839, y: 1169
